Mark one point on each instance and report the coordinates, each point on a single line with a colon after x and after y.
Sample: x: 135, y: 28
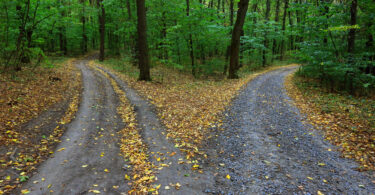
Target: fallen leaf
x: 95, y: 191
x: 228, y: 176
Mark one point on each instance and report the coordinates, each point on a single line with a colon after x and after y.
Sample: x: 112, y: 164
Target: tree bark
x: 283, y: 28
x: 236, y: 35
x: 352, y: 31
x: 191, y: 46
x: 231, y: 15
x: 143, y: 58
x: 101, y: 29
x: 268, y: 9
x: 277, y: 15
x: 83, y: 20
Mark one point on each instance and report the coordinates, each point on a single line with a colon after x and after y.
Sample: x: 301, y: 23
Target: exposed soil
x: 88, y: 157
x: 265, y: 148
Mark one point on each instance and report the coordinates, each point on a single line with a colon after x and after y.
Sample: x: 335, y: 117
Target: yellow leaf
x: 8, y: 177
x: 321, y: 164
x: 49, y: 186
x: 106, y: 170
x: 95, y: 191
x: 25, y: 191
x: 127, y: 177
x: 61, y: 149
x: 84, y: 166
x: 115, y: 187
x: 320, y: 193
x: 310, y: 178
x: 228, y: 176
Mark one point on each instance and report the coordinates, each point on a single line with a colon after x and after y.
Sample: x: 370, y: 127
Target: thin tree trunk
x: 101, y: 29
x: 277, y: 15
x: 231, y: 15
x: 268, y: 9
x: 283, y: 28
x: 236, y: 35
x: 83, y: 20
x: 143, y: 58
x: 352, y: 31
x: 191, y: 46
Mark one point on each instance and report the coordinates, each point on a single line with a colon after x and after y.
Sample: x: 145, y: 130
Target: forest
x: 334, y: 39
x: 188, y: 69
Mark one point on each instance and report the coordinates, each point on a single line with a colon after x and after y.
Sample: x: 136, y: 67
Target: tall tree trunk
x: 283, y: 28
x: 231, y: 16
x: 101, y: 29
x: 277, y: 15
x: 143, y: 58
x: 352, y: 31
x: 291, y: 37
x: 236, y: 35
x: 191, y: 46
x: 83, y: 20
x: 268, y: 9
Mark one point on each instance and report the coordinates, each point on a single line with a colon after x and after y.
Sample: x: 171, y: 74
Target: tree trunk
x: 236, y: 35
x: 352, y: 31
x: 277, y: 15
x: 283, y: 28
x: 143, y: 58
x: 231, y: 15
x: 191, y: 46
x: 101, y: 29
x: 268, y: 9
x: 83, y: 20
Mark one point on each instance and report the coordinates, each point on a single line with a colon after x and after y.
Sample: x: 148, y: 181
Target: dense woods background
x: 333, y: 39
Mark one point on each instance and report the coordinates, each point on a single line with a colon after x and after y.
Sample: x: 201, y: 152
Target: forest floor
x: 35, y: 105
x: 180, y: 135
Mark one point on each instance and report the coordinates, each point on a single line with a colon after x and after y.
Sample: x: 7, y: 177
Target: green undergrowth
x: 361, y: 109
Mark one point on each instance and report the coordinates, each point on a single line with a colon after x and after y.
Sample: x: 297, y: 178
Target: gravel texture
x: 88, y: 147
x: 265, y: 148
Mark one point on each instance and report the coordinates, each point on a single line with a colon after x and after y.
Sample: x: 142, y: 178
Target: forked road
x: 266, y: 149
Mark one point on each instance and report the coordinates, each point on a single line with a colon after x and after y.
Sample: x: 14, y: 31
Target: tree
x: 143, y: 58
x: 101, y: 17
x: 353, y: 22
x: 236, y: 35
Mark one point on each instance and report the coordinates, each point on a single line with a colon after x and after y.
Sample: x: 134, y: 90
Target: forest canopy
x: 332, y: 39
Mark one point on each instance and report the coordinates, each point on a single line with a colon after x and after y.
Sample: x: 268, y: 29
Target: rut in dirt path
x: 266, y: 149
x: 89, y: 146
x: 154, y: 135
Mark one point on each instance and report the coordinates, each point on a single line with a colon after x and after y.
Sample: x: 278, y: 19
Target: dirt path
x: 153, y: 134
x: 88, y: 147
x: 266, y: 149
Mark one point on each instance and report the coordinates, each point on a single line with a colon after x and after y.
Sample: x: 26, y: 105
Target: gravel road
x: 88, y: 147
x: 266, y: 149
